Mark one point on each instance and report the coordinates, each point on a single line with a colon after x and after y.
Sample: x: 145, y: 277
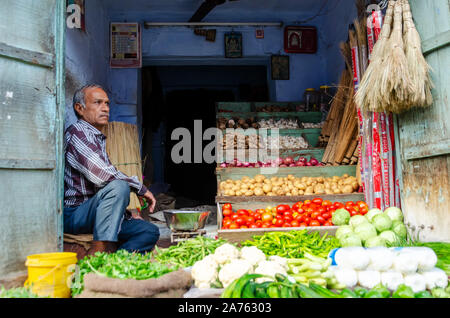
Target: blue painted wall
x: 87, y: 57
x: 87, y: 54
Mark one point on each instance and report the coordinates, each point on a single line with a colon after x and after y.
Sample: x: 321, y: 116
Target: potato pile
x: 288, y: 186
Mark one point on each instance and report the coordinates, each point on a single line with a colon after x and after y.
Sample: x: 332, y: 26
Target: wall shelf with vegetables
x: 241, y: 221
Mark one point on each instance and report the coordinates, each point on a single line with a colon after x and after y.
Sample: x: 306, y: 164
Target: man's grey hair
x: 79, y: 96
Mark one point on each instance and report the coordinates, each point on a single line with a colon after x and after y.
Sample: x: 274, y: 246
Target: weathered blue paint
x: 424, y: 134
x: 31, y: 105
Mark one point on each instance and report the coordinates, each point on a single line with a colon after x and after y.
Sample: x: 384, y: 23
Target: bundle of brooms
x: 398, y: 77
x: 122, y: 146
x: 343, y: 129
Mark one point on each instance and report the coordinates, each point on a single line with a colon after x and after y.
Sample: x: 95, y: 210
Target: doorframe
x: 215, y: 61
x: 60, y: 70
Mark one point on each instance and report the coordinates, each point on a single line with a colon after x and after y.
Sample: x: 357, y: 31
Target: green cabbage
x: 343, y: 230
x: 382, y: 222
x: 357, y: 220
x: 375, y: 241
x: 350, y: 240
x: 400, y: 230
x: 341, y: 217
x: 394, y: 213
x: 365, y: 231
x: 390, y: 237
x: 372, y: 213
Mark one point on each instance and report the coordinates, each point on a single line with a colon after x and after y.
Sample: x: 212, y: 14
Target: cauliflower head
x: 225, y: 253
x: 269, y: 268
x: 252, y: 254
x: 233, y: 270
x: 205, y: 272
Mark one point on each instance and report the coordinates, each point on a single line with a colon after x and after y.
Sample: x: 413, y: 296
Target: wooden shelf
x: 238, y: 236
x: 357, y: 196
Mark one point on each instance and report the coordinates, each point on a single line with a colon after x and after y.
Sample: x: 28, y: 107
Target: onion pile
x: 279, y: 162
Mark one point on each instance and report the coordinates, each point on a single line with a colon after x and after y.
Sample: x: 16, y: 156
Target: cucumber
x: 324, y: 292
x: 240, y: 284
x: 261, y: 290
x: 249, y: 290
x: 306, y: 292
x: 273, y: 291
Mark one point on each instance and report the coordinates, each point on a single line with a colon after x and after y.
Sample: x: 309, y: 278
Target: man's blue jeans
x: 103, y: 215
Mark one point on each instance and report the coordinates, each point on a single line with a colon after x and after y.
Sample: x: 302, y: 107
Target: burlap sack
x: 171, y: 285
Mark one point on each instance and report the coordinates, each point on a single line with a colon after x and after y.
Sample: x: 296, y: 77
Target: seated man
x: 96, y: 194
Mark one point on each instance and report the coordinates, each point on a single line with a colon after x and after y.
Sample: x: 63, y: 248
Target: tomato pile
x: 316, y: 212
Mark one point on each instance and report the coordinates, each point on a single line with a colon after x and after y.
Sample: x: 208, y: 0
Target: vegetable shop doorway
x: 176, y: 96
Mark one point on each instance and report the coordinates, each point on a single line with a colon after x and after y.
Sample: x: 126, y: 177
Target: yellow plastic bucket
x: 50, y: 274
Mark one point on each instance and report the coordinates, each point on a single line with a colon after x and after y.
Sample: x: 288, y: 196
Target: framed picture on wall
x: 233, y: 45
x: 280, y: 67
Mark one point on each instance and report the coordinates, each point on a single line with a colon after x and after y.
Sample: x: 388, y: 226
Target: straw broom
x: 336, y: 107
x: 367, y: 96
x: 122, y: 146
x: 396, y: 85
x: 418, y: 67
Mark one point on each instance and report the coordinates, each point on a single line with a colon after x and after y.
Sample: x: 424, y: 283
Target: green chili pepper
x: 273, y: 291
x: 403, y: 291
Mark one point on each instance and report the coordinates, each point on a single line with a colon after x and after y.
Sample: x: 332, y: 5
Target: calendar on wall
x: 126, y: 46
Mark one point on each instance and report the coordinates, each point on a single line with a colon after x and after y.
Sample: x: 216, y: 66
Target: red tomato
x: 306, y: 202
x: 326, y: 215
x: 279, y: 222
x: 315, y: 215
x: 317, y: 201
x: 314, y: 206
x: 356, y: 208
x: 321, y: 220
x: 227, y: 212
x: 257, y: 216
x: 303, y: 224
x: 321, y: 210
x: 307, y: 220
x: 288, y: 218
x: 326, y: 203
x: 260, y: 211
x: 267, y: 217
x: 353, y: 213
x: 224, y: 227
x: 328, y: 223
x: 227, y: 206
x: 299, y: 218
x: 240, y: 221
x: 266, y: 225
x: 314, y: 223
x: 250, y: 220
x: 233, y: 226
x: 259, y: 223
x: 297, y: 205
x: 253, y: 226
x: 295, y: 223
x: 288, y: 214
x: 338, y: 205
x: 244, y: 227
x: 300, y: 211
x: 287, y: 224
x: 364, y: 210
x: 283, y: 208
x: 227, y: 222
x: 235, y: 216
x: 242, y: 212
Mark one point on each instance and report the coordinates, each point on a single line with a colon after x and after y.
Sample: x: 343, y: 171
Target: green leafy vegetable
x: 187, y: 253
x: 19, y: 292
x: 121, y: 264
x: 294, y: 244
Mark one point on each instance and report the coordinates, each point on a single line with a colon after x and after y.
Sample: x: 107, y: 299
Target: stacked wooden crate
x: 250, y: 110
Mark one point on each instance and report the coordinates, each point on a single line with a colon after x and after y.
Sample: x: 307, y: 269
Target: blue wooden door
x: 424, y: 134
x: 31, y: 124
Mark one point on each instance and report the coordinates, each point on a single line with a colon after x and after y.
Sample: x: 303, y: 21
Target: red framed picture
x: 300, y: 39
x: 259, y: 33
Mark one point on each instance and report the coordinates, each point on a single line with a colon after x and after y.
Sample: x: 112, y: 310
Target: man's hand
x: 151, y: 200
